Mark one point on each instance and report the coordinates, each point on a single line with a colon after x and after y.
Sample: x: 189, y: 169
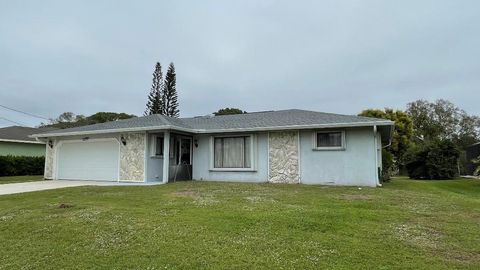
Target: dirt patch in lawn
x: 64, y: 205
x: 356, y: 197
x: 199, y: 199
x: 186, y: 194
x: 418, y: 235
x: 433, y: 241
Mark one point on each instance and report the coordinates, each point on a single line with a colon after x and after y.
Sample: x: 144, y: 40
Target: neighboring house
x: 472, y: 152
x: 288, y: 146
x: 15, y: 141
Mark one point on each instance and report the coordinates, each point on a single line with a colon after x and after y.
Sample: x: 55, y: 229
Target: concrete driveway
x: 54, y: 184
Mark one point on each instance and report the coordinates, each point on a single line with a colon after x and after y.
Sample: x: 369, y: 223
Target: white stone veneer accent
x: 49, y: 157
x: 132, y: 157
x: 283, y: 157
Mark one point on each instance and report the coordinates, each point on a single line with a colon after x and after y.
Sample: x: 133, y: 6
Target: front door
x: 184, y: 151
x: 181, y: 169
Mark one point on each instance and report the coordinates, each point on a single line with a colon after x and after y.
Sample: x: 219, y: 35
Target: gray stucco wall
x: 355, y: 165
x: 154, y: 169
x: 154, y: 164
x: 201, y: 162
x: 379, y: 149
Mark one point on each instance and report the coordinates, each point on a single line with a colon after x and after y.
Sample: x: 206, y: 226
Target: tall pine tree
x: 170, y: 96
x: 154, y: 102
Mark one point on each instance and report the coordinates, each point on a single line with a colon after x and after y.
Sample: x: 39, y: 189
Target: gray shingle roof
x: 282, y: 118
x: 253, y: 121
x: 17, y: 133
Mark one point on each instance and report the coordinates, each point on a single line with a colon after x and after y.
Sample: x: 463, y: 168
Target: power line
x: 26, y: 113
x: 15, y: 122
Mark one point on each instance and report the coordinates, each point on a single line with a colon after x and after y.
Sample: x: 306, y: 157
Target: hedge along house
x: 288, y: 146
x: 15, y: 141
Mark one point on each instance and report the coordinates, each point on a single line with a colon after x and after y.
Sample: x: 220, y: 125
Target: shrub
x: 434, y: 160
x: 416, y: 162
x: 476, y: 162
x: 21, y: 165
x: 388, y: 166
x: 463, y: 162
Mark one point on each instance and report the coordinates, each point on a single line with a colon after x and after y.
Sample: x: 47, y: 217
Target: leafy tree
x: 102, y: 117
x: 80, y: 118
x: 66, y: 117
x: 228, y: 111
x: 443, y: 120
x: 69, y: 119
x: 402, y: 134
x: 170, y: 96
x: 468, y: 130
x: 154, y: 102
x: 65, y: 120
x: 420, y: 112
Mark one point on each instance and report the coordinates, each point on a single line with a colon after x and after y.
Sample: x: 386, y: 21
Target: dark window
x: 158, y: 146
x: 329, y: 139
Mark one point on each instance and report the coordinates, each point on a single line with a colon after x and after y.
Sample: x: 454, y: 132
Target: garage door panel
x: 90, y: 160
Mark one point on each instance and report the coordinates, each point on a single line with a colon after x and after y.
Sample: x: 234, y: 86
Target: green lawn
x: 20, y: 179
x: 404, y: 225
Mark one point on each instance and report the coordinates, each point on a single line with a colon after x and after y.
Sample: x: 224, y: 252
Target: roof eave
x: 296, y: 127
x: 106, y: 131
x: 204, y: 131
x: 21, y: 141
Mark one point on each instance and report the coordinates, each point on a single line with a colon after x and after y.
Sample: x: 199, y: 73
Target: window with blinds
x: 232, y: 152
x: 330, y: 140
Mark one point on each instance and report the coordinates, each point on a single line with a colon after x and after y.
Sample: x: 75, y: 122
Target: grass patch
x: 20, y: 179
x: 209, y: 225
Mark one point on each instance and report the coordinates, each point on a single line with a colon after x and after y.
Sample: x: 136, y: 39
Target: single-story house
x: 287, y: 146
x: 16, y: 141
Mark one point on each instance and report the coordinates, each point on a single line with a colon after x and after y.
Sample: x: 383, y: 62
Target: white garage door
x: 89, y: 160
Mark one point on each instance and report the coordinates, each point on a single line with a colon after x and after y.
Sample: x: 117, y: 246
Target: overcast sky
x: 331, y: 56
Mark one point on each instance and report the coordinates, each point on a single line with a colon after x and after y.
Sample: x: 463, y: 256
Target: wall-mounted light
x: 195, y: 142
x: 85, y: 138
x: 123, y: 140
x: 50, y: 143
